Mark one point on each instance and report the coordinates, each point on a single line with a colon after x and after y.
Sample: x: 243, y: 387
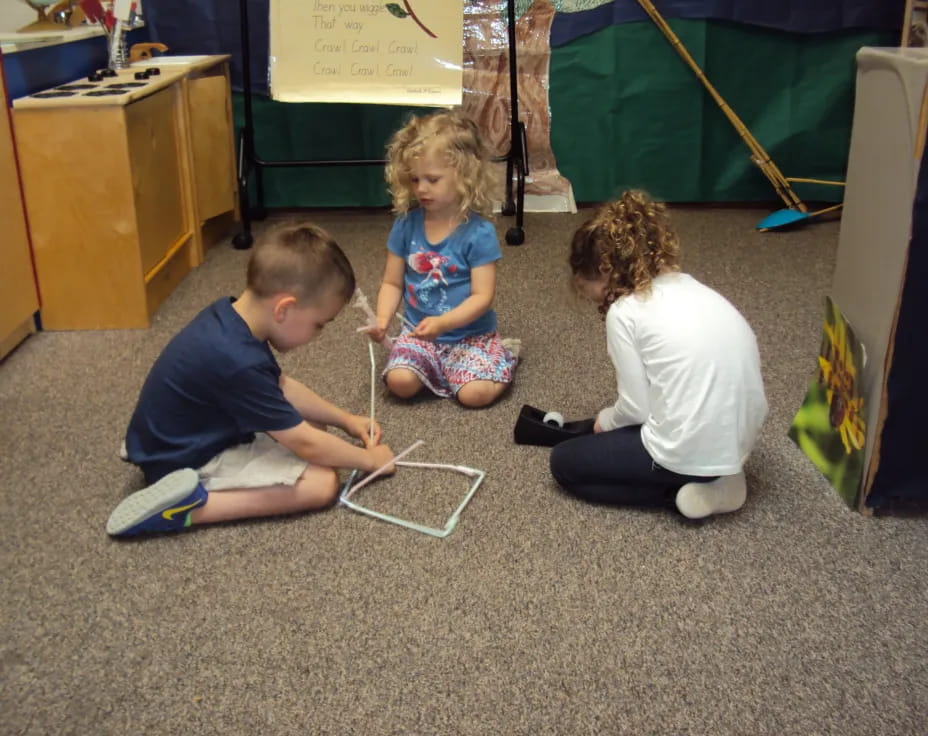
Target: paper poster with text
x: 393, y: 53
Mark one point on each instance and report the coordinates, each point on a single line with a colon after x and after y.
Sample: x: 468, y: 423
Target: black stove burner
x: 76, y: 86
x: 101, y: 92
x: 125, y: 85
x: 55, y: 94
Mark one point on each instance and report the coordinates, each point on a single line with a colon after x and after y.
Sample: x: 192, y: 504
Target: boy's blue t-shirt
x: 213, y: 386
x: 437, y: 277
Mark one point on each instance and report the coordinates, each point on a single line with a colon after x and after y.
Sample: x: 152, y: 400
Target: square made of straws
x: 412, y: 504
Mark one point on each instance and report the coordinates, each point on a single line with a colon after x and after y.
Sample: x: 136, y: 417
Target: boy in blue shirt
x: 219, y: 432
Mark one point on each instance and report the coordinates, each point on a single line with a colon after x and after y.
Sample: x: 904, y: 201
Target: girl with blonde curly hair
x: 441, y: 263
x: 690, y: 395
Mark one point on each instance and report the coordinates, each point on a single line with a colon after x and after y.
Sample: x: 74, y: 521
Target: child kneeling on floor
x: 441, y: 262
x: 691, y: 398
x: 219, y: 432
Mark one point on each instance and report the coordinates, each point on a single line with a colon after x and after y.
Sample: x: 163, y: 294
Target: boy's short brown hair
x: 302, y: 260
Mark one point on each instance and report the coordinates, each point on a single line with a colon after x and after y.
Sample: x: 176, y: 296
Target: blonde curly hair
x: 630, y: 240
x: 454, y: 138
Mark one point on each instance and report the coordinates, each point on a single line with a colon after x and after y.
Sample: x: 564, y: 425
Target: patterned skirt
x: 445, y: 367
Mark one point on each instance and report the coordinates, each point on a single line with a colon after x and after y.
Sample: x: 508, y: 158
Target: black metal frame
x: 517, y: 158
x: 249, y: 162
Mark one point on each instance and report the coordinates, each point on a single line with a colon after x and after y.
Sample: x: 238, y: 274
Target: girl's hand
x: 377, y: 334
x: 429, y: 328
x: 596, y: 428
x: 378, y: 331
x: 360, y: 427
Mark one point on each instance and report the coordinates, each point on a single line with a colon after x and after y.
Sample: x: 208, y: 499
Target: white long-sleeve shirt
x: 688, y: 372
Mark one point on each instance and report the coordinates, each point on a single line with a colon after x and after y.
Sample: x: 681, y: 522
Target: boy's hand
x: 380, y: 456
x: 429, y: 328
x: 596, y: 428
x: 360, y: 427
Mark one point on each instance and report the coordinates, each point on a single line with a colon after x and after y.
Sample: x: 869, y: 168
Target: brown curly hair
x: 454, y: 137
x: 630, y: 240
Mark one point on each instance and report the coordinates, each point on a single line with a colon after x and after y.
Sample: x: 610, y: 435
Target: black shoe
x: 531, y: 428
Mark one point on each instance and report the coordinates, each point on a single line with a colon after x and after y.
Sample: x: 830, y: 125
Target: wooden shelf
x: 18, y: 298
x: 119, y: 190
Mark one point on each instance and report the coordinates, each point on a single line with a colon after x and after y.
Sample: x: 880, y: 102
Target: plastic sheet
x: 487, y: 97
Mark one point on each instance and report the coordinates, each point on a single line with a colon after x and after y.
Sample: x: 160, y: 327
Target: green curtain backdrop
x: 317, y: 131
x: 626, y: 112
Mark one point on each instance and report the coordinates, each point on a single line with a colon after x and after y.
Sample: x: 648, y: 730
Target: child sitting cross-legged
x: 219, y: 431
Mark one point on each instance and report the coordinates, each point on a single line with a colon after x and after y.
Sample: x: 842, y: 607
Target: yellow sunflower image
x: 839, y: 377
x: 830, y: 427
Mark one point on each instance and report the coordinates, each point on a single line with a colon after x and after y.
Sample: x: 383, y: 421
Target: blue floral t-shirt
x: 437, y: 277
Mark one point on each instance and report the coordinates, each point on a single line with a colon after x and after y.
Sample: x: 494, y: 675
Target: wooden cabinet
x: 213, y: 149
x: 18, y: 298
x: 121, y: 179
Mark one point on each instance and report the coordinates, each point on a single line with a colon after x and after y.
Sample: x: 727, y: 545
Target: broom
x: 781, y: 184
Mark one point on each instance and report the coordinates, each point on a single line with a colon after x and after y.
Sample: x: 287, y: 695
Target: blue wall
x: 37, y: 69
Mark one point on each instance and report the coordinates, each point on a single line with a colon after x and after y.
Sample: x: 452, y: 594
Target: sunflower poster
x: 829, y: 426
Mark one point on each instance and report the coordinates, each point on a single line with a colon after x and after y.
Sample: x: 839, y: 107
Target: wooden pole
x: 759, y: 156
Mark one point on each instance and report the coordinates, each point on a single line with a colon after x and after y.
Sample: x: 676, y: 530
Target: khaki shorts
x: 263, y: 462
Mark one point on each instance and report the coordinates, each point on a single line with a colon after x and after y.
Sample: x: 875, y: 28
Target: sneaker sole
x: 169, y: 491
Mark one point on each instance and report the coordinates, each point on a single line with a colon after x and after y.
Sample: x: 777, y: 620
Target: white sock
x: 513, y: 345
x: 720, y: 496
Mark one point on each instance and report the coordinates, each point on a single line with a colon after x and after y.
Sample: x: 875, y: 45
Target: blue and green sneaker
x: 164, y: 506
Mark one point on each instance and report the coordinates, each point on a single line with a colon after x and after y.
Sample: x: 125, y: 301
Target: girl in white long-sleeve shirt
x: 690, y: 395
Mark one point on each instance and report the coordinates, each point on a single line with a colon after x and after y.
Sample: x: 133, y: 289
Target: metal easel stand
x: 250, y: 163
x: 517, y: 158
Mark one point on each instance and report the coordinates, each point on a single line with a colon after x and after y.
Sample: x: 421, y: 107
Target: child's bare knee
x: 403, y: 383
x: 479, y: 393
x: 318, y: 488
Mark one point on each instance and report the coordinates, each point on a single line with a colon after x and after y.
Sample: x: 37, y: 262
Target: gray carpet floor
x: 537, y: 615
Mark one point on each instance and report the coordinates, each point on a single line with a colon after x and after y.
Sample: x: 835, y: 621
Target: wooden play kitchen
x: 128, y: 177
x: 18, y: 297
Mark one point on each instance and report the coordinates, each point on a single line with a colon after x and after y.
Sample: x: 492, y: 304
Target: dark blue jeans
x: 614, y: 468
